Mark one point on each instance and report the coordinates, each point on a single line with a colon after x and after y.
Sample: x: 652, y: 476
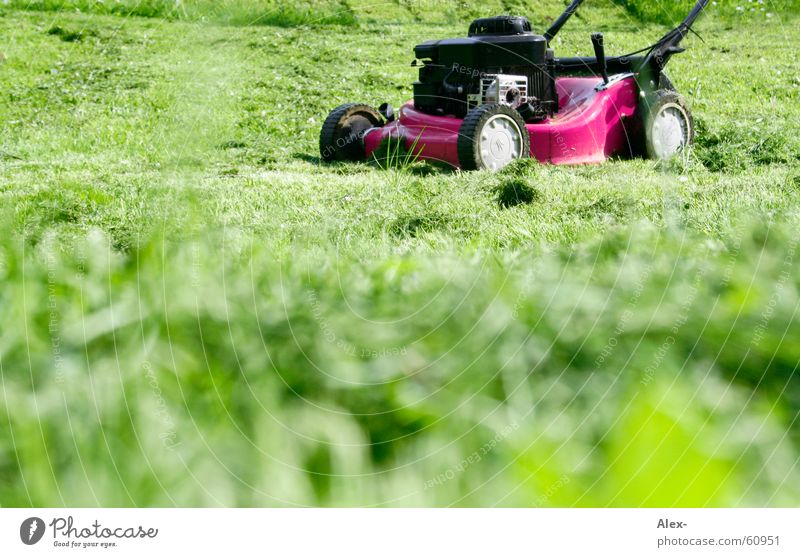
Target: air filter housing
x: 500, y: 25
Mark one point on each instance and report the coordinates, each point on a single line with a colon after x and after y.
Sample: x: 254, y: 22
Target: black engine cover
x: 452, y: 68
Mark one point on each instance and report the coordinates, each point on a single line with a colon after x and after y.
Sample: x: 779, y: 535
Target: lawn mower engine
x: 500, y: 94
x: 501, y: 62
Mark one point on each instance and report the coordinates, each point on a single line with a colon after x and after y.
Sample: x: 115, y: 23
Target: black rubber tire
x: 652, y: 105
x: 469, y: 157
x: 342, y: 134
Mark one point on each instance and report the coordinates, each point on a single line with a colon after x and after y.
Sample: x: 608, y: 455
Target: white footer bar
x: 400, y: 532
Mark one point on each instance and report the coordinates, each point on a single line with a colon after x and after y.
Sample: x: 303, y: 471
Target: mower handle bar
x: 657, y: 55
x: 590, y: 64
x: 561, y: 20
x: 681, y: 29
x: 669, y: 44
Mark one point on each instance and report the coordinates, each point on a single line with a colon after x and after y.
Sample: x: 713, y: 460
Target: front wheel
x: 668, y: 125
x: 342, y: 134
x: 491, y: 136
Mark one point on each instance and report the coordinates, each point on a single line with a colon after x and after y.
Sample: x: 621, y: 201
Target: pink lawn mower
x: 500, y: 94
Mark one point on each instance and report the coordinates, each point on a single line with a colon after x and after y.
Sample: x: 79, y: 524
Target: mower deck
x: 594, y: 122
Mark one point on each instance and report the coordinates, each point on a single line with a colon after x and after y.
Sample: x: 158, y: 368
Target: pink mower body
x: 594, y: 122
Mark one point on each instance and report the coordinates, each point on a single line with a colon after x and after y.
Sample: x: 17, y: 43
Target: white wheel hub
x: 670, y: 130
x: 500, y: 142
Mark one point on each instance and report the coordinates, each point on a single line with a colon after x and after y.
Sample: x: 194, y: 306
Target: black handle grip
x: 600, y: 55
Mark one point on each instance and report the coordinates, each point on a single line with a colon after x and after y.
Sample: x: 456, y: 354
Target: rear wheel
x: 342, y: 134
x: 491, y: 136
x: 668, y: 125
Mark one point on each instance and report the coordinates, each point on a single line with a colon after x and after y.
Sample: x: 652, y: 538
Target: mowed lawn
x: 195, y: 311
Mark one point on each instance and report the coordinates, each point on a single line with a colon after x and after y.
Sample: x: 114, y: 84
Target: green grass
x: 353, y: 12
x: 235, y: 12
x: 673, y: 11
x: 196, y: 312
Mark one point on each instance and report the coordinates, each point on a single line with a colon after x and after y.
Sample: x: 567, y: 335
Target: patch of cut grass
x: 516, y: 191
x: 737, y: 147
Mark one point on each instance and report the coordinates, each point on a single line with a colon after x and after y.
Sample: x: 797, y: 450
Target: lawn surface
x: 196, y: 312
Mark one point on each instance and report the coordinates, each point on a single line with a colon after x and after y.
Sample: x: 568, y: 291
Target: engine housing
x: 454, y: 72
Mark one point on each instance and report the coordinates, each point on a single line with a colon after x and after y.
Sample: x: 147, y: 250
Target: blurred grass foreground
x: 184, y: 373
